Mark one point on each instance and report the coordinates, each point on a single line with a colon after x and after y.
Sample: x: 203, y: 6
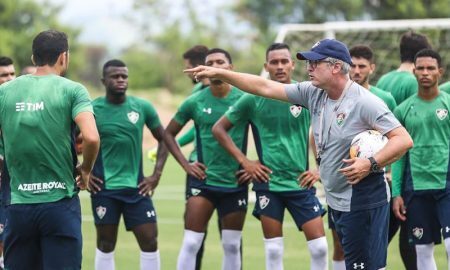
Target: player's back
x: 36, y: 117
x: 401, y: 84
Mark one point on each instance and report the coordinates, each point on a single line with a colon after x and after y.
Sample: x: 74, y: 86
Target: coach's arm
x: 399, y: 141
x: 246, y: 82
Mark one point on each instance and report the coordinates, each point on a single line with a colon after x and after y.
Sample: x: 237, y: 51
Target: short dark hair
x: 277, y: 46
x: 196, y: 55
x: 410, y: 44
x: 429, y: 53
x: 112, y: 63
x: 47, y: 46
x: 218, y: 50
x: 5, y: 61
x: 362, y: 51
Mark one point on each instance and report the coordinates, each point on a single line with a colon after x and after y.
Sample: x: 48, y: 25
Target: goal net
x: 382, y: 36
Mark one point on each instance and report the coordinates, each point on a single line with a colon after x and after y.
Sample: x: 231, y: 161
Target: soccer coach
x: 356, y: 189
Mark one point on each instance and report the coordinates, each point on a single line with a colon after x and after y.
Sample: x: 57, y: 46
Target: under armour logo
x: 316, y: 208
x: 447, y: 229
x: 151, y: 214
x: 208, y: 111
x: 358, y: 266
x: 242, y: 202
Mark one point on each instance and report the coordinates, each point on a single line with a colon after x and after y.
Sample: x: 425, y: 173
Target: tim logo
x: 359, y: 266
x: 242, y: 202
x: 30, y: 107
x: 101, y: 211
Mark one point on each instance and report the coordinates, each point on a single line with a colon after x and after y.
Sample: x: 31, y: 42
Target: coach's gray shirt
x: 357, y: 110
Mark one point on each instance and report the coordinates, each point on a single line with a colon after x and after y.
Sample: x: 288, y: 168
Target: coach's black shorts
x: 363, y: 235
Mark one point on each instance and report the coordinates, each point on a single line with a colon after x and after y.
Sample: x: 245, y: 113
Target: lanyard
x: 321, y: 143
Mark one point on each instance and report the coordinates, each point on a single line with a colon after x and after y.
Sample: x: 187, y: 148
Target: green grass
x: 169, y: 203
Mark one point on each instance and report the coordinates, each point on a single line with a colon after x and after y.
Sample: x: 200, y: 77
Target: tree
x: 266, y: 15
x: 21, y: 20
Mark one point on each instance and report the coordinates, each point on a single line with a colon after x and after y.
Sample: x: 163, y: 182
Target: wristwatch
x: 374, y: 165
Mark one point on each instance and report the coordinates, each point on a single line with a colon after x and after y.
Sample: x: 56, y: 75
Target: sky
x: 104, y: 22
x: 101, y: 21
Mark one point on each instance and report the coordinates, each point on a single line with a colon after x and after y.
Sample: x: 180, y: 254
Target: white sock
x: 447, y: 247
x: 425, y: 258
x: 339, y: 265
x: 104, y: 261
x: 319, y: 253
x: 274, y: 253
x: 2, y: 262
x: 231, y: 243
x: 192, y: 242
x: 150, y: 260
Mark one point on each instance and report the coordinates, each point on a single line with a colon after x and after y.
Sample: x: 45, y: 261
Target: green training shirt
x: 401, y: 84
x: 281, y: 132
x: 36, y: 118
x: 425, y: 166
x: 120, y: 127
x: 385, y: 96
x: 205, y: 109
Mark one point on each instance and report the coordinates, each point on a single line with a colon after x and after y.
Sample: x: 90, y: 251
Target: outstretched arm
x: 246, y: 82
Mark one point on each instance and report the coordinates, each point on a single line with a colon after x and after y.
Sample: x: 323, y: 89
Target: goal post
x: 382, y: 36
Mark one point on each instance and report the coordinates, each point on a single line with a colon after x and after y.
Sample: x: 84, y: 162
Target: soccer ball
x: 367, y: 143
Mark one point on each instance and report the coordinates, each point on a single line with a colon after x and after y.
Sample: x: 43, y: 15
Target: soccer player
x: 7, y: 71
x: 282, y: 179
x: 363, y: 66
x: 356, y: 189
x: 213, y: 184
x: 193, y: 57
x: 424, y: 200
x: 401, y: 82
x: 118, y: 184
x: 38, y: 114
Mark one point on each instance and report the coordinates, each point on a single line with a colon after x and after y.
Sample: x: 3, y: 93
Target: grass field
x: 169, y: 204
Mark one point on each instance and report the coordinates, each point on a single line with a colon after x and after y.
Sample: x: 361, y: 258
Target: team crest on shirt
x: 195, y: 191
x: 133, y: 117
x: 340, y: 118
x: 418, y: 232
x: 263, y: 201
x: 296, y: 110
x: 101, y: 211
x: 441, y: 113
